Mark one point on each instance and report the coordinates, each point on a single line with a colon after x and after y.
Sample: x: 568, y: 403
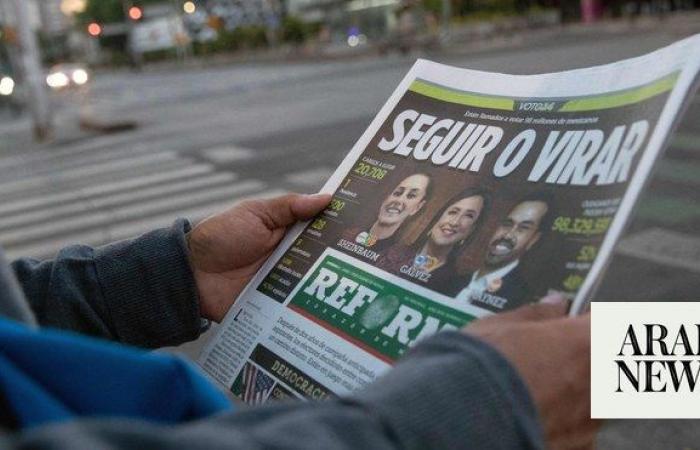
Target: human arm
x: 552, y: 356
x: 138, y: 291
x: 153, y: 290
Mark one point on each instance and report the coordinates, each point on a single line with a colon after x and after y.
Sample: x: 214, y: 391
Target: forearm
x: 452, y: 392
x: 139, y: 291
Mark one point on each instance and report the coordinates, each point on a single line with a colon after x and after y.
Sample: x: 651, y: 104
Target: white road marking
x: 86, y: 205
x: 132, y: 212
x: 20, y: 164
x: 227, y: 154
x: 48, y: 247
x: 193, y: 214
x: 47, y: 158
x: 82, y: 174
x: 313, y: 177
x: 44, y: 200
x: 665, y: 247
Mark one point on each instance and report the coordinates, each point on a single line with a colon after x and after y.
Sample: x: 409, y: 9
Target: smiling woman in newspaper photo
x: 431, y: 261
x: 404, y: 201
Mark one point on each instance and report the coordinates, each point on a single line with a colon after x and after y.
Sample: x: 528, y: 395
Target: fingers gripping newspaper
x: 470, y: 193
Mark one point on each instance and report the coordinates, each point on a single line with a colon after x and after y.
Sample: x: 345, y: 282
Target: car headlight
x: 57, y: 80
x: 7, y: 86
x: 80, y: 77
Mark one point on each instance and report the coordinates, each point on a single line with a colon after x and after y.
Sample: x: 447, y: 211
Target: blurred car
x: 65, y: 76
x: 10, y: 95
x: 7, y: 85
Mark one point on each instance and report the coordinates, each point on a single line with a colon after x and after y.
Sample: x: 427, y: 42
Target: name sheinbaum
x: 655, y: 358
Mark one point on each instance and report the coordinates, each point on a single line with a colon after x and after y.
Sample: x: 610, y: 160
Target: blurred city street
x: 197, y: 140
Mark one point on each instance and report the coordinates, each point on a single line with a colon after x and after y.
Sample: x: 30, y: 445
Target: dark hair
x: 465, y: 193
x: 544, y: 197
x: 428, y: 188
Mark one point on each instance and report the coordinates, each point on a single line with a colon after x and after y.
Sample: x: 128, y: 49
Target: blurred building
x: 53, y: 20
x: 236, y: 13
x: 373, y: 18
x: 7, y: 13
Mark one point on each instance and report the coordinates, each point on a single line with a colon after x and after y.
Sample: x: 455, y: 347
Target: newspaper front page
x: 470, y: 193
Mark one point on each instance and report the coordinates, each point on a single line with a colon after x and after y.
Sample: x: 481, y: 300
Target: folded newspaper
x: 470, y: 193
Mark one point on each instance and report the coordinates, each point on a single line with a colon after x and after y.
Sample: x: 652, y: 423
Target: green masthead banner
x: 380, y: 316
x: 580, y: 104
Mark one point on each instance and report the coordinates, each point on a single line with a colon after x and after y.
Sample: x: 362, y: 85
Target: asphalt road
x: 207, y: 137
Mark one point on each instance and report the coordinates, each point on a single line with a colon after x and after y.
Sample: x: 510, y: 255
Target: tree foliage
x: 109, y: 11
x: 102, y: 11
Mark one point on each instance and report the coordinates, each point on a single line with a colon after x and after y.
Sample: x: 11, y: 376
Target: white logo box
x: 610, y: 324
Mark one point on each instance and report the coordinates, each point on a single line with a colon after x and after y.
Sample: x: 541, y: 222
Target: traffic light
x: 135, y: 13
x: 94, y: 29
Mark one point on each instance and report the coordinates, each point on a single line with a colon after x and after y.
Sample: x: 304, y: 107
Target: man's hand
x: 228, y: 248
x: 552, y: 354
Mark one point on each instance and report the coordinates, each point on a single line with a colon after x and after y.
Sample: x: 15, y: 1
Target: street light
x: 135, y: 13
x: 73, y: 7
x: 189, y: 7
x: 94, y: 29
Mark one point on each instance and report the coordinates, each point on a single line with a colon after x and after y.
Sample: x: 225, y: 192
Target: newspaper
x: 470, y: 193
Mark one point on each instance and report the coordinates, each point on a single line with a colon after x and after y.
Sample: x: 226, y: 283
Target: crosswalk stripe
x: 224, y: 193
x: 137, y: 211
x: 43, y: 155
x: 85, y: 205
x: 145, y: 180
x: 663, y: 246
x: 27, y: 166
x: 227, y: 154
x: 668, y: 210
x: 45, y: 159
x: 48, y: 247
x: 27, y: 203
x: 194, y: 214
x: 84, y: 173
x: 313, y: 177
x: 48, y: 185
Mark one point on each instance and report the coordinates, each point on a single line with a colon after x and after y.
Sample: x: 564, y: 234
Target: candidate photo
x: 404, y: 201
x: 431, y: 260
x: 498, y: 284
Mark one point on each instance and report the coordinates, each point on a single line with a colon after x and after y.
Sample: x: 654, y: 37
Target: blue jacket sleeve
x: 452, y: 392
x: 138, y: 291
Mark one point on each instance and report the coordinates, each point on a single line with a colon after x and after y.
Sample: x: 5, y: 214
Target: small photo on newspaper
x: 469, y: 194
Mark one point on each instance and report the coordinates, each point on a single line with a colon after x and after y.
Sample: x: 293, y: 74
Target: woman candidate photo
x: 431, y: 260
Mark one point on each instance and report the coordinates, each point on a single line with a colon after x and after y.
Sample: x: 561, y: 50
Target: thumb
x: 288, y: 209
x: 307, y: 206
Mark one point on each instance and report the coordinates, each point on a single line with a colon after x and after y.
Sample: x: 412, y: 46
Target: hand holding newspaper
x: 470, y: 193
